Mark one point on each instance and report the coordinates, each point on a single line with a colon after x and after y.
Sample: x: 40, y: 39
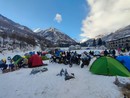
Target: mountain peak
x: 51, y: 29
x: 55, y: 36
x: 37, y: 30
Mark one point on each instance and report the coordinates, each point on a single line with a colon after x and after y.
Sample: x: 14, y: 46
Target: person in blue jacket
x: 3, y: 65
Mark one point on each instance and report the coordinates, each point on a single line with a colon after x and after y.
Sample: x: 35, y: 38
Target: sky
x: 105, y: 16
x: 80, y: 19
x: 65, y: 15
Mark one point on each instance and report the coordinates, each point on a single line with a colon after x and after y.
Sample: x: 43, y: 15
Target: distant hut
x: 72, y: 47
x: 102, y: 47
x: 78, y: 47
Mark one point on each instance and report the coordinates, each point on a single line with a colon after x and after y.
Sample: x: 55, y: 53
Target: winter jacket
x: 2, y: 64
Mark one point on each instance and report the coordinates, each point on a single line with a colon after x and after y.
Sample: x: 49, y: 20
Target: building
x: 78, y: 47
x: 72, y: 47
x: 123, y: 42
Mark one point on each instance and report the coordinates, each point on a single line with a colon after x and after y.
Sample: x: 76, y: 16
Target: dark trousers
x: 85, y: 62
x: 3, y: 66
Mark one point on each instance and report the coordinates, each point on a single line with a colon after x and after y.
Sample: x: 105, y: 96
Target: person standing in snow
x: 85, y: 59
x: 3, y: 65
x: 105, y: 52
x: 10, y: 63
x: 113, y: 53
x: 71, y: 59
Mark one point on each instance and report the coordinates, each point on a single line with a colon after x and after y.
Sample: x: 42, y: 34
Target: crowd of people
x: 82, y: 59
x: 71, y: 58
x: 17, y: 62
x: 57, y: 56
x: 9, y: 65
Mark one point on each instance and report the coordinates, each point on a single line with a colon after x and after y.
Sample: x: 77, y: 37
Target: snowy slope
x: 10, y: 26
x: 120, y: 33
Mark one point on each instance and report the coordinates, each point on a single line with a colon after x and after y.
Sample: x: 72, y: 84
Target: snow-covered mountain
x: 22, y: 34
x: 37, y: 30
x: 19, y: 34
x: 122, y: 32
x: 14, y: 35
x: 9, y: 26
x: 55, y: 36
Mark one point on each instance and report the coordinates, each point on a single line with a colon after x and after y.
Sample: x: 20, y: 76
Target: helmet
x: 23, y: 56
x: 4, y: 60
x: 9, y: 58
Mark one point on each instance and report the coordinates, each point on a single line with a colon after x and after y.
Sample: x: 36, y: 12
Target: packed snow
x: 22, y: 84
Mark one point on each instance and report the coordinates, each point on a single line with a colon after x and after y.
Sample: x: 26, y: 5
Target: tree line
x: 94, y: 42
x: 17, y: 38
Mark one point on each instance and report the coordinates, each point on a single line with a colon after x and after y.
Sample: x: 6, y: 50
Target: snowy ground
x: 20, y: 84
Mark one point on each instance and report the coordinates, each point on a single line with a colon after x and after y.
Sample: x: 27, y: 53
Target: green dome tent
x: 108, y: 66
x: 16, y: 57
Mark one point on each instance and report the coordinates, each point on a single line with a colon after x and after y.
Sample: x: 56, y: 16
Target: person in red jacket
x: 35, y: 61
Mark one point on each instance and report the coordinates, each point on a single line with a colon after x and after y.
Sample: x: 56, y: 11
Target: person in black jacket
x: 105, y: 52
x: 113, y: 53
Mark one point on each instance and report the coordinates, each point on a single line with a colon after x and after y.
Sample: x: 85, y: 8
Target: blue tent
x: 32, y: 53
x: 125, y: 60
x: 57, y: 53
x: 61, y: 50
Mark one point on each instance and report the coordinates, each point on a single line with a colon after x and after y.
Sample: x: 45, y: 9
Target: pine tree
x: 99, y: 41
x: 104, y: 43
x: 94, y: 42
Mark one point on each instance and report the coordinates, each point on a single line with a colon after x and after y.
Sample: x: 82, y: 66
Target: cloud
x: 105, y: 16
x: 58, y: 18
